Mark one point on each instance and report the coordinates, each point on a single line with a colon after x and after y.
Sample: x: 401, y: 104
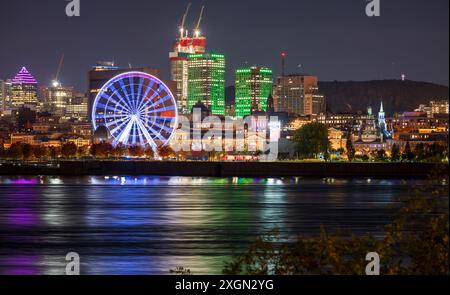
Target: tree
x: 83, y: 151
x: 41, y: 152
x: 415, y: 243
x: 166, y: 152
x: 350, y: 148
x: 101, y: 150
x: 420, y: 152
x: 149, y: 153
x: 69, y: 150
x: 119, y: 151
x: 27, y: 151
x: 380, y: 155
x: 15, y: 151
x: 136, y: 151
x: 312, y: 140
x: 395, y: 153
x: 54, y: 152
x: 407, y: 155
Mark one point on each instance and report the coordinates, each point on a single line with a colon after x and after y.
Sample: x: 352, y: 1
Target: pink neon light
x: 24, y: 77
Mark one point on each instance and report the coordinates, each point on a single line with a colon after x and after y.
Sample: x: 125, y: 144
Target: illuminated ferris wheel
x: 138, y: 109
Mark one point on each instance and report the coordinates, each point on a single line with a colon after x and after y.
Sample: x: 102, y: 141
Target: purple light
x: 25, y: 181
x: 24, y: 77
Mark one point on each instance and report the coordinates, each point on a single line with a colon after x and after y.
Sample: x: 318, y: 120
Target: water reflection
x: 149, y: 225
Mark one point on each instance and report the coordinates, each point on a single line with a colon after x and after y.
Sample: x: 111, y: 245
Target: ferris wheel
x: 138, y: 109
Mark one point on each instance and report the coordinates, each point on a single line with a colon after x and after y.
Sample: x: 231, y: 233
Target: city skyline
x: 388, y: 62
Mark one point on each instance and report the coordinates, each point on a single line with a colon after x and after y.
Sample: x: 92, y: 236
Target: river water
x: 149, y: 225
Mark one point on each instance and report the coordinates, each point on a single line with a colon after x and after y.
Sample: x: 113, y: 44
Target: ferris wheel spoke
x: 157, y: 134
x: 148, y: 137
x: 141, y: 139
x: 110, y: 116
x: 160, y: 101
x: 139, y: 97
x: 116, y: 122
x: 149, y: 88
x: 124, y: 136
x: 133, y: 139
x: 133, y: 97
x: 124, y: 89
x: 120, y: 97
x: 119, y: 127
x: 168, y: 108
x: 156, y: 93
x: 108, y: 99
x: 162, y: 126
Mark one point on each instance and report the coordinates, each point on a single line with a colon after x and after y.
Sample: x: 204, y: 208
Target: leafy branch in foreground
x: 179, y: 270
x: 416, y: 242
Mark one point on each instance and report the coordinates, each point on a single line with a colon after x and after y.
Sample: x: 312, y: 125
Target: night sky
x: 332, y: 39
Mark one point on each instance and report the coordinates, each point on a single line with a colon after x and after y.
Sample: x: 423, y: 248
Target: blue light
x: 138, y: 109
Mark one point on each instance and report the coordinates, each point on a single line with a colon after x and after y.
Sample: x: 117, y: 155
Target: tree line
x: 69, y: 150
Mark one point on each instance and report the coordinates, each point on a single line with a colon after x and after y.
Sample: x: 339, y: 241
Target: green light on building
x: 207, y: 81
x: 253, y: 87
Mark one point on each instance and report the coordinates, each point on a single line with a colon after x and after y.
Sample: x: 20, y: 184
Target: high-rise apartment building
x: 253, y: 87
x: 23, y: 90
x: 179, y: 66
x: 207, y: 81
x: 56, y: 99
x: 298, y: 95
x: 5, y: 95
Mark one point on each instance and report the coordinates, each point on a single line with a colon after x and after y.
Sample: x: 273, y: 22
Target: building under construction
x: 183, y: 47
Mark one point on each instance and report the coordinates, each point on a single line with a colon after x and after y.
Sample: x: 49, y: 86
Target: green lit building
x: 253, y: 87
x: 207, y: 81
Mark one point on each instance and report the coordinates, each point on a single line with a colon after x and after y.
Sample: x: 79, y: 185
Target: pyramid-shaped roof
x: 24, y: 77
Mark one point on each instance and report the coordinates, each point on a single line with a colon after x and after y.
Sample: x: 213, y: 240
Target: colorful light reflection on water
x: 149, y: 225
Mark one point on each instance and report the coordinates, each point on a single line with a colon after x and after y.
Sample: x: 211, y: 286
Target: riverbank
x: 225, y: 169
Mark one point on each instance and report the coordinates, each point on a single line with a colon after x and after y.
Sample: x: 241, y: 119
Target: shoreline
x: 226, y: 169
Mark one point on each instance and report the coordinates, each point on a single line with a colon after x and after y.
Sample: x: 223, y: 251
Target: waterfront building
x: 339, y: 121
x: 427, y: 136
x: 253, y: 88
x: 207, y: 81
x: 338, y: 139
x: 298, y: 95
x: 24, y: 89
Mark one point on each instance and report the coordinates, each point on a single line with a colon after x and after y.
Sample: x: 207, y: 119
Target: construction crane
x: 56, y: 82
x: 197, y: 27
x: 183, y: 20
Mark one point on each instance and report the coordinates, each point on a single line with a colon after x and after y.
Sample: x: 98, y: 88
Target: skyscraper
x: 179, y: 63
x: 5, y: 95
x: 207, y: 81
x: 23, y: 89
x: 56, y: 99
x: 179, y: 67
x: 298, y: 95
x: 253, y: 87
